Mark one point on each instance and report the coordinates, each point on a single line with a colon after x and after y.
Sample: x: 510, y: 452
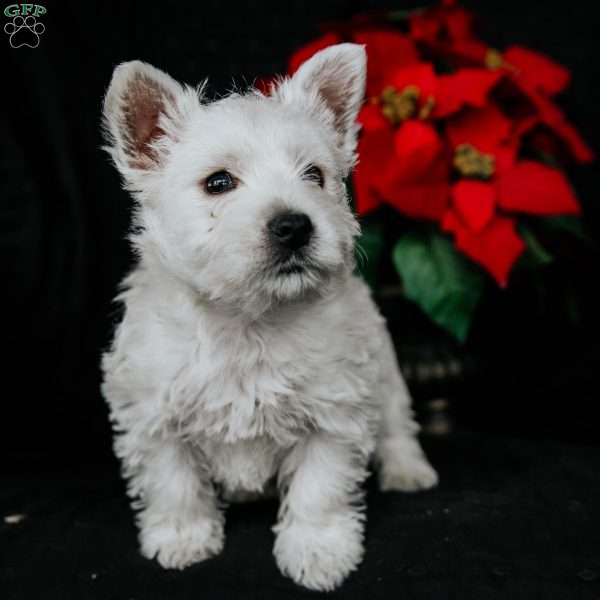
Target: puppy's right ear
x: 144, y: 111
x: 331, y: 85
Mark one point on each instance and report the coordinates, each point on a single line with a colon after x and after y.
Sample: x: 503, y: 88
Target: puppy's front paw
x: 177, y: 545
x: 407, y: 474
x: 320, y: 556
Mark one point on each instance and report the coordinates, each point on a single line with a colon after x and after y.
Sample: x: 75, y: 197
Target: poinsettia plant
x: 464, y: 140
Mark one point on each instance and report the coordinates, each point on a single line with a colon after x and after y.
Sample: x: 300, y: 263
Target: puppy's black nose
x: 290, y: 230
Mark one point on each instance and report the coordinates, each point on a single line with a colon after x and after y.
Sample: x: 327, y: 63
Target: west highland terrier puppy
x: 250, y: 357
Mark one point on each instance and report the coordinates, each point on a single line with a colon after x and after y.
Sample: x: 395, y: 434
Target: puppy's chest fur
x: 277, y: 381
x: 246, y: 396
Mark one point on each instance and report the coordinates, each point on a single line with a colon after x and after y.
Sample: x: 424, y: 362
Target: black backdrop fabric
x: 63, y: 220
x: 511, y: 520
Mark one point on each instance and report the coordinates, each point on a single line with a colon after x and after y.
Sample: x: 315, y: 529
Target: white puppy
x: 249, y: 354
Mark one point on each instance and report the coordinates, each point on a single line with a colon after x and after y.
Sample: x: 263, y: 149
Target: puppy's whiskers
x: 361, y: 254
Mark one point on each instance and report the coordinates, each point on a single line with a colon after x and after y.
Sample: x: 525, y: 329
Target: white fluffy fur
x: 225, y: 378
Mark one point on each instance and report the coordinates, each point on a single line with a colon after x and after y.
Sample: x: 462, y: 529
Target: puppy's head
x: 243, y: 198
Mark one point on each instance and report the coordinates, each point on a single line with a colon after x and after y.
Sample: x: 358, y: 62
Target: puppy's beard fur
x: 295, y: 280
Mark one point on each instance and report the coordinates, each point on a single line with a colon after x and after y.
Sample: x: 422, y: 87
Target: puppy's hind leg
x: 401, y: 462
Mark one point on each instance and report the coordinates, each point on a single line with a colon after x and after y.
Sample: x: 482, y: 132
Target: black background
x: 64, y: 216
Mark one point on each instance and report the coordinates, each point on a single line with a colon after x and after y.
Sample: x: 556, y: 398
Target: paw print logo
x: 24, y: 31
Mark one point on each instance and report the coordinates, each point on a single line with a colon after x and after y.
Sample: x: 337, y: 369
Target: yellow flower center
x: 468, y: 161
x: 399, y: 106
x: 493, y: 59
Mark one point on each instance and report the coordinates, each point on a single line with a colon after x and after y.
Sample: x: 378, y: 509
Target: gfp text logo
x: 24, y: 29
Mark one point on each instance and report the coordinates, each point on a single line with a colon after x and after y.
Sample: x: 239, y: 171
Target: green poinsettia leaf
x: 402, y: 15
x: 566, y: 224
x: 536, y: 254
x: 572, y: 304
x: 369, y: 248
x: 440, y: 280
x: 548, y: 159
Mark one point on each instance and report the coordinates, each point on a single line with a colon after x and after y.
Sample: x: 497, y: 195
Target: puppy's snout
x: 290, y: 230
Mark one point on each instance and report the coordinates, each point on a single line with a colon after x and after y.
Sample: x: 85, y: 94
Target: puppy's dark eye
x: 313, y: 173
x: 219, y: 183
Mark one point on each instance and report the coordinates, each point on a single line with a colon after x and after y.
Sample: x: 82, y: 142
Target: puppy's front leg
x: 320, y: 527
x: 180, y: 523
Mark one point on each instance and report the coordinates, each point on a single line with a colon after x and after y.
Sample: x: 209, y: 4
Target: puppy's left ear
x: 331, y: 84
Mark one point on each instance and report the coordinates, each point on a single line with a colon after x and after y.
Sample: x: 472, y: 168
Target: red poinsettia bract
x: 444, y: 125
